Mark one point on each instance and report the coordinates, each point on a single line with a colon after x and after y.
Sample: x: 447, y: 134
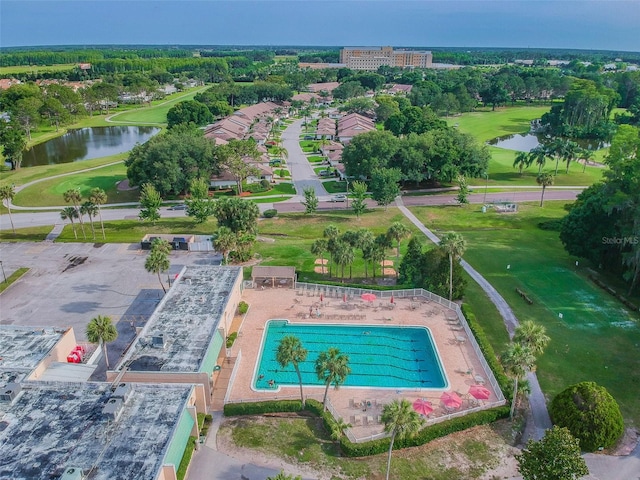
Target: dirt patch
x: 124, y: 186
x: 389, y: 272
x: 387, y: 263
x: 321, y: 261
x: 321, y: 269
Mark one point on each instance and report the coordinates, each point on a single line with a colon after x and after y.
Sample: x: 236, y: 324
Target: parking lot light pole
x: 3, y: 274
x: 486, y: 185
x: 347, y: 180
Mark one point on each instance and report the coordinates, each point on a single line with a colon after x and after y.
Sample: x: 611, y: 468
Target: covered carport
x: 273, y: 277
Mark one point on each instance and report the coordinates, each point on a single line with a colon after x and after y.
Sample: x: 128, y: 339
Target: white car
x: 339, y: 198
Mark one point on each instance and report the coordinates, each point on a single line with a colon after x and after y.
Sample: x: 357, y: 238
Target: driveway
x: 301, y: 172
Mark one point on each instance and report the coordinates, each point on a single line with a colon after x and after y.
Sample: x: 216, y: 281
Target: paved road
x: 300, y: 168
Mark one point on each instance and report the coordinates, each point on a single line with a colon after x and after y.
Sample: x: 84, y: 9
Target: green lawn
x: 49, y: 192
x: 596, y: 339
x: 29, y: 234
x: 11, y: 279
x: 6, y: 72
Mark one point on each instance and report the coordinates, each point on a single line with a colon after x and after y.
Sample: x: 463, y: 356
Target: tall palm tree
x: 70, y: 213
x: 98, y: 197
x: 74, y: 196
x: 522, y: 160
x: 332, y: 367
x: 531, y: 335
x: 545, y: 180
x: 225, y: 241
x: 157, y: 262
x: 397, y: 231
x: 279, y: 151
x: 556, y: 149
x: 571, y: 152
x: 91, y: 210
x: 454, y: 245
x: 400, y: 420
x: 366, y: 242
x: 379, y: 252
x: 539, y: 156
x: 517, y: 361
x: 344, y: 256
x: 101, y: 330
x: 586, y: 154
x: 318, y: 247
x: 290, y: 350
x: 331, y: 233
x: 7, y: 192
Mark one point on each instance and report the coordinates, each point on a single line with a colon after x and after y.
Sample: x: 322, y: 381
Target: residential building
x: 367, y: 58
x: 353, y: 124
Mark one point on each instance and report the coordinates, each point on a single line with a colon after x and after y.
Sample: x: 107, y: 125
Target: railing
x: 232, y: 377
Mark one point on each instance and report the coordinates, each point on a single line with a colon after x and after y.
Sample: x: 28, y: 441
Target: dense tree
x: 101, y: 330
x: 367, y: 152
x: 158, y: 260
x: 348, y: 90
x: 7, y: 192
x: 359, y: 195
x: 224, y: 241
x: 401, y: 421
x: 190, y: 111
x: 199, y: 206
x: 150, y: 203
x: 463, y: 190
x: 384, y: 185
x: 291, y: 351
x: 171, y: 161
x: 397, y: 231
x: 343, y: 255
x: 13, y: 141
x: 310, y: 201
x: 236, y: 157
x: 360, y: 105
x: 241, y: 216
x: 332, y: 367
x: 517, y: 360
x: 556, y: 457
x: 590, y: 413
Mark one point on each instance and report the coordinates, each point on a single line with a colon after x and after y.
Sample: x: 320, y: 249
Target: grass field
x: 596, y: 339
x: 6, y: 72
x: 49, y: 192
x: 29, y: 234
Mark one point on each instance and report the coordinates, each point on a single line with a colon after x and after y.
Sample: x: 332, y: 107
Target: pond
x: 87, y: 143
x: 524, y: 142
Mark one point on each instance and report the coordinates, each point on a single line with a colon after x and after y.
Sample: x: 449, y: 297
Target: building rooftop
x: 53, y: 426
x: 23, y: 348
x: 178, y: 334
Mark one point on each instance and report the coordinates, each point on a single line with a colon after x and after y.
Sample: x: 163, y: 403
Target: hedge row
x: 257, y: 408
x: 186, y: 458
x: 488, y: 352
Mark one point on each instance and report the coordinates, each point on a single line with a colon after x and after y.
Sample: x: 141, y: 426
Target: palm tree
x: 98, y: 197
x: 397, y: 231
x: 331, y: 233
x: 400, y: 420
x: 517, y: 361
x: 318, y: 247
x: 539, y: 156
x: 70, y: 213
x: 531, y: 335
x: 7, y: 192
x: 586, y: 154
x: 570, y: 152
x: 339, y: 428
x: 91, y: 210
x: 101, y: 330
x: 366, y: 241
x: 290, y: 350
x: 279, y: 151
x: 556, y: 150
x: 523, y: 160
x: 545, y: 180
x: 74, y: 196
x: 224, y: 241
x: 283, y: 476
x: 157, y: 262
x: 332, y: 367
x: 454, y: 245
x: 343, y: 254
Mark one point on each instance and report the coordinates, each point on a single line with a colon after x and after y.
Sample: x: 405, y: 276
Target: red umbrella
x: 344, y: 297
x: 392, y: 298
x: 321, y: 297
x: 451, y: 400
x: 368, y: 297
x: 480, y: 392
x: 422, y: 406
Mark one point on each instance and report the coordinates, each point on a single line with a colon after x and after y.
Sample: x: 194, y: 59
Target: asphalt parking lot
x: 70, y: 283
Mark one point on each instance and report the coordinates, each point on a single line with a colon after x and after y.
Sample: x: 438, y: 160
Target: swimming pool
x: 379, y: 356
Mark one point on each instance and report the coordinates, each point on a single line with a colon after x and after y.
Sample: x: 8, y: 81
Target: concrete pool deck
x: 460, y: 362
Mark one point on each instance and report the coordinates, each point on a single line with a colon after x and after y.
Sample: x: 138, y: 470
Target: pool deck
x: 456, y: 354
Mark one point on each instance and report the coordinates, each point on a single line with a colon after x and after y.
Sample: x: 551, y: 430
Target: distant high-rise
x: 364, y: 58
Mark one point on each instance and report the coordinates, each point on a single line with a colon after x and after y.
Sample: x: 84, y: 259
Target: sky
x: 581, y: 24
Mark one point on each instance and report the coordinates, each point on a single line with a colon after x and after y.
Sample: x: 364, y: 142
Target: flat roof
x: 52, y: 426
x: 23, y: 348
x: 187, y: 318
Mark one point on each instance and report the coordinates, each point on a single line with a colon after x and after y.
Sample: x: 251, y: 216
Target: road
x: 300, y: 168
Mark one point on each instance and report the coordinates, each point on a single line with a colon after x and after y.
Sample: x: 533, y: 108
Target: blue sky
x: 586, y: 24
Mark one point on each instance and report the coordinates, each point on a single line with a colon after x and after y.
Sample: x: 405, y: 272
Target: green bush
x: 231, y: 338
x: 488, y: 352
x: 256, y: 408
x: 243, y: 307
x: 263, y: 186
x: 186, y: 458
x: 270, y: 213
x: 590, y: 413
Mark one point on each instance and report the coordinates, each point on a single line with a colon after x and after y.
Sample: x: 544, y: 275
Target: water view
x: 87, y: 143
x: 524, y: 142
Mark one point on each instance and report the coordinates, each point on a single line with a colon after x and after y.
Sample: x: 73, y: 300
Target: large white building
x: 368, y: 58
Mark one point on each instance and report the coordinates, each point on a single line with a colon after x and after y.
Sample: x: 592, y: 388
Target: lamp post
x: 347, y: 180
x: 486, y: 185
x: 3, y: 274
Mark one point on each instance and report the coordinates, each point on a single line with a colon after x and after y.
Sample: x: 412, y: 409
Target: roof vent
x: 72, y: 473
x: 9, y: 392
x: 158, y: 341
x: 123, y: 391
x: 113, y: 409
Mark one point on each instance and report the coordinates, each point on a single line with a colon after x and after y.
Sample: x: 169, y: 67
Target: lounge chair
x: 479, y: 379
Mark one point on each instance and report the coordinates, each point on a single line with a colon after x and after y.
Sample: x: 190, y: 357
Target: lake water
x: 524, y: 142
x: 87, y: 143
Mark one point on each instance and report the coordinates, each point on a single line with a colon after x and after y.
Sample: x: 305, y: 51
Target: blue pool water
x: 381, y: 357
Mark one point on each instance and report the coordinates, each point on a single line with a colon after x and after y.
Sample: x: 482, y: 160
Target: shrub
x: 270, y: 213
x: 264, y: 183
x: 590, y: 413
x: 231, y: 338
x: 256, y: 408
x: 243, y: 307
x: 186, y: 458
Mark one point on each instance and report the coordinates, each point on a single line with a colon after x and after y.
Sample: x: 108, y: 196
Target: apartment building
x: 366, y: 58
